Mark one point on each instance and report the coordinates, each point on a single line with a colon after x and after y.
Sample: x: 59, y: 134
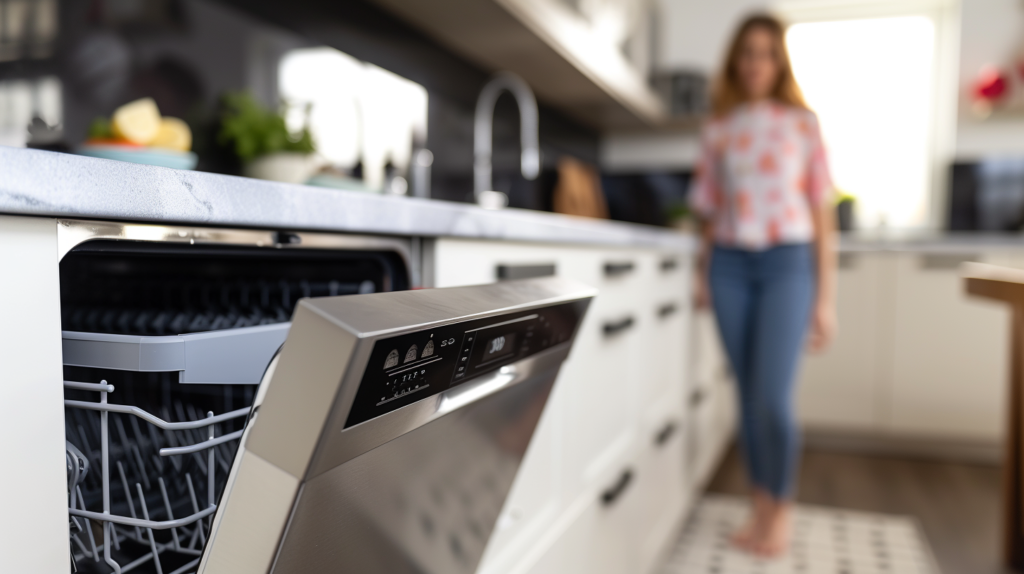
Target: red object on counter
x: 991, y: 85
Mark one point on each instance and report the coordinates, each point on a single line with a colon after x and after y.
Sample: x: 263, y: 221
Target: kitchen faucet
x: 482, y: 135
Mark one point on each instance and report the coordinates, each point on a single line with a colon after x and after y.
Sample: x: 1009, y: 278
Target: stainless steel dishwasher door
x: 388, y: 432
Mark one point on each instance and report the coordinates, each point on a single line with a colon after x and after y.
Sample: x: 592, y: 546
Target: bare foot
x: 748, y: 535
x: 745, y: 536
x: 773, y: 538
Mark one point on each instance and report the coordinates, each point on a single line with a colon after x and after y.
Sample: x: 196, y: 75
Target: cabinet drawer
x: 599, y: 540
x: 599, y: 383
x: 712, y: 420
x: 661, y: 485
x: 708, y: 361
x: 664, y: 356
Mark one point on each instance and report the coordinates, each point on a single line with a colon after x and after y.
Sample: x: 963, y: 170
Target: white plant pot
x: 283, y: 166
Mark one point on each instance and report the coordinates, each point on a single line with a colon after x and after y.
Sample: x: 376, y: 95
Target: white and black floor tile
x: 825, y: 541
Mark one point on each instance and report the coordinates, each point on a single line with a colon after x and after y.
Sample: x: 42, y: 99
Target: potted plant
x: 260, y: 139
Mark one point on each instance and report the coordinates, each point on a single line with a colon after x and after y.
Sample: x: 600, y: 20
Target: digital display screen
x: 411, y: 367
x: 499, y: 346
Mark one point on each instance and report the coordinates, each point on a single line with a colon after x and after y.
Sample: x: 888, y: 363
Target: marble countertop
x: 44, y: 183
x: 964, y: 243
x: 34, y: 182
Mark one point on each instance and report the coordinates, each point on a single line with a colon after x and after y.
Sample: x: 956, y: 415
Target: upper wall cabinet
x: 590, y: 58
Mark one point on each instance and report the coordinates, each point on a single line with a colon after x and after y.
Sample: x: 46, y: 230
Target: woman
x: 762, y: 193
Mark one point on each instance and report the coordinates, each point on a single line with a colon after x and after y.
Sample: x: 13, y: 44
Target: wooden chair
x: 1007, y: 285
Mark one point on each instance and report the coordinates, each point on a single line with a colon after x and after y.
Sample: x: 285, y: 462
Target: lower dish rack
x: 142, y: 489
x: 164, y: 347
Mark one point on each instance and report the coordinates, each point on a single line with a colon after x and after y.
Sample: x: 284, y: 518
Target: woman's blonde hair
x: 728, y: 92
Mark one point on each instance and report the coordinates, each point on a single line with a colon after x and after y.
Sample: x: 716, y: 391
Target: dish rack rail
x: 135, y: 477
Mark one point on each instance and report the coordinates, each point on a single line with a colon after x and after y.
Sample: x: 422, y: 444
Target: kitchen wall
x: 693, y: 35
x: 186, y: 53
x: 991, y: 32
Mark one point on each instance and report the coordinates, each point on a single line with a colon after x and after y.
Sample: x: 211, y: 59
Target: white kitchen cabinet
x: 843, y: 388
x: 915, y: 357
x: 31, y: 412
x: 661, y: 484
x: 599, y: 540
x: 949, y: 352
x: 623, y: 388
x: 710, y: 401
x: 709, y: 361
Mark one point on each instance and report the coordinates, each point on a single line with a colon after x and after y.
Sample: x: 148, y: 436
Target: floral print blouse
x: 762, y: 170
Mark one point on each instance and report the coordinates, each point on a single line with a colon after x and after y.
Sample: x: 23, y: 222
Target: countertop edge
x: 41, y: 183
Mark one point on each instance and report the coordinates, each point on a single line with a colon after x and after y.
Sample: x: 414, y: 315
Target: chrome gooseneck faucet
x: 484, y: 124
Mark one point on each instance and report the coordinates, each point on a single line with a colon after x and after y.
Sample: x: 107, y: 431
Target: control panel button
x: 392, y: 360
x: 411, y: 354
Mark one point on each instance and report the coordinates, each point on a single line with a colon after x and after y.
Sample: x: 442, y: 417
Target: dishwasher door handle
x: 461, y: 396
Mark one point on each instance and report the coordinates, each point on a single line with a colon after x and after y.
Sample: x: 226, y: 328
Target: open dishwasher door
x: 388, y: 432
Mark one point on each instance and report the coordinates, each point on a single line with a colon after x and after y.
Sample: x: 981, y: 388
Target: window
x: 357, y: 112
x: 23, y: 100
x: 872, y: 83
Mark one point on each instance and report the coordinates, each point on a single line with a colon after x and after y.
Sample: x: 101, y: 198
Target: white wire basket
x: 149, y: 506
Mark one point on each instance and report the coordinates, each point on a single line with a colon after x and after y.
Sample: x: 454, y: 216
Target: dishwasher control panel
x: 411, y: 367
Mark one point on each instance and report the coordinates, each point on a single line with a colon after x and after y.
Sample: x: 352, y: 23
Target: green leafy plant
x: 251, y: 130
x: 100, y: 129
x: 677, y: 211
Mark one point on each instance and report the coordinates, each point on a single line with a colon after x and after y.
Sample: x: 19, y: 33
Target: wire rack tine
x: 170, y: 512
x: 152, y: 541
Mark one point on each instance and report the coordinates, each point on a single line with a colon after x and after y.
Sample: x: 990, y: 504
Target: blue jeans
x: 763, y: 301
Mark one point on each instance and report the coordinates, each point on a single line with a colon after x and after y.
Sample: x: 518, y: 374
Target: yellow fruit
x: 137, y: 122
x: 173, y: 134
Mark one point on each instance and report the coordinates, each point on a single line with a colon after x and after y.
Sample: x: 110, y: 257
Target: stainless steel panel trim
x: 74, y: 232
x: 123, y: 352
x: 230, y: 356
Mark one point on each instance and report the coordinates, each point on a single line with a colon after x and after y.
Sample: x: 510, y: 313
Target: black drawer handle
x: 669, y: 264
x: 667, y: 310
x: 608, y: 497
x: 613, y: 328
x: 696, y: 397
x: 665, y: 434
x: 509, y: 272
x: 615, y: 269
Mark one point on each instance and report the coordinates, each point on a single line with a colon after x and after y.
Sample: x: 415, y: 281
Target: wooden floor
x: 956, y: 504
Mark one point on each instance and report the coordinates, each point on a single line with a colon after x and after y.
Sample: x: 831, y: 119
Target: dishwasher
x: 243, y: 401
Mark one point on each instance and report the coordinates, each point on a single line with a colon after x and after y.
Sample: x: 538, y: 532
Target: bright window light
x: 358, y: 112
x: 870, y: 82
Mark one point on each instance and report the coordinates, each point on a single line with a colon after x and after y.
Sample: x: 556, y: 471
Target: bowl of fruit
x: 137, y: 133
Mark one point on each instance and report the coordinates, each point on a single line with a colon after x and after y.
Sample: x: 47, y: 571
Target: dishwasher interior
x: 165, y: 343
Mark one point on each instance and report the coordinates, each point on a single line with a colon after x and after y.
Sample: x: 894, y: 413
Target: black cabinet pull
x: 510, y: 272
x: 615, y: 269
x: 669, y: 264
x: 609, y: 496
x: 662, y: 437
x: 613, y: 328
x: 696, y: 397
x: 667, y: 310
